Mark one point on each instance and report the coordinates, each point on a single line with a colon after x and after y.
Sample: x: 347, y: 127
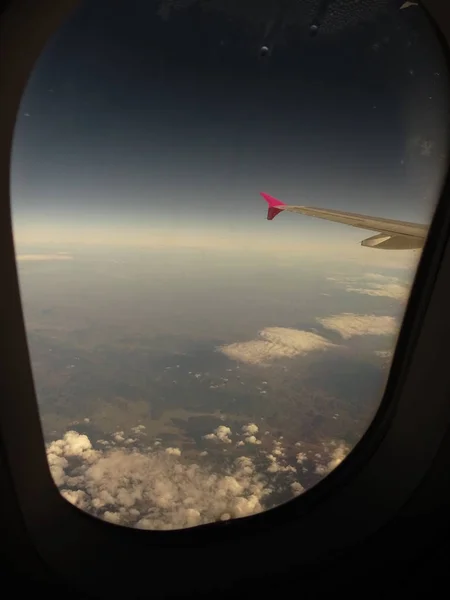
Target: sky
x: 143, y: 124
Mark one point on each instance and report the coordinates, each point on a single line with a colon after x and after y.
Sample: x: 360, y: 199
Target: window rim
x: 57, y: 527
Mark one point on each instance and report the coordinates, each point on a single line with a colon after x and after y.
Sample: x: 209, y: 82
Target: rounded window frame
x: 355, y: 500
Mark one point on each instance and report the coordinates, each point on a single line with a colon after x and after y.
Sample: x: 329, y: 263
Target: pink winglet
x: 272, y: 211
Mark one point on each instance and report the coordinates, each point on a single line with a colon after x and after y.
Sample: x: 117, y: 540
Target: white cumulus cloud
x: 297, y: 488
x: 350, y: 324
x: 337, y: 456
x: 301, y: 457
x: 174, y: 451
x: 384, y: 353
x: 375, y: 284
x: 221, y: 434
x: 274, y: 343
x: 138, y: 430
x: 251, y: 439
x: 250, y: 429
x: 397, y: 291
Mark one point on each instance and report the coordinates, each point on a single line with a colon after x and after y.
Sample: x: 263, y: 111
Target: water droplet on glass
x: 313, y: 29
x: 263, y: 51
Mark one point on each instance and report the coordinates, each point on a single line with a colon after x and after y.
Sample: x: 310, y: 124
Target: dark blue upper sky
x: 149, y: 117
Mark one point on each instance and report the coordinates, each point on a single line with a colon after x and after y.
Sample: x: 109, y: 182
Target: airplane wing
x: 391, y: 234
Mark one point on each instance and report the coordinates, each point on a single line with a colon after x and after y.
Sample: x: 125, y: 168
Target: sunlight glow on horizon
x: 288, y: 249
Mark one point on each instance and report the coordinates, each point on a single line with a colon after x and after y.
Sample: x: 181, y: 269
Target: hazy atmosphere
x: 194, y: 361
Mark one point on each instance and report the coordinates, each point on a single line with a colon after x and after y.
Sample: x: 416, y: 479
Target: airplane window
x: 218, y: 210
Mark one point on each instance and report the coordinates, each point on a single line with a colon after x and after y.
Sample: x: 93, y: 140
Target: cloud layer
x: 275, y: 343
x: 349, y: 325
x: 384, y: 353
x: 43, y: 257
x: 157, y: 488
x: 375, y: 284
x: 154, y: 490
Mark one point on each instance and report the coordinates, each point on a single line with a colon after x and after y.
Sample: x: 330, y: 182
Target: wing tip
x: 271, y: 200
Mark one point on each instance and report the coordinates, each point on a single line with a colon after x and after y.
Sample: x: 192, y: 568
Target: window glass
x: 193, y: 360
